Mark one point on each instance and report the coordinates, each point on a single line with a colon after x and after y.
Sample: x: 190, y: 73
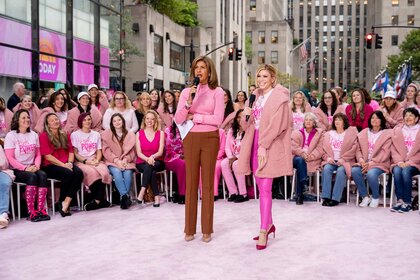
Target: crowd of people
x: 95, y: 141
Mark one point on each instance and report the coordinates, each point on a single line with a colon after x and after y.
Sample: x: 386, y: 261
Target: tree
x: 410, y: 47
x: 248, y: 47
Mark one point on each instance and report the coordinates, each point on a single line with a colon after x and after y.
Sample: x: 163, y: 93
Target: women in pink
x: 410, y: 94
x: 167, y: 109
x: 327, y: 108
x: 358, y: 112
x: 5, y: 119
x: 267, y: 141
x: 27, y: 104
x: 121, y: 104
x: 299, y: 106
x: 98, y: 98
x: 392, y: 110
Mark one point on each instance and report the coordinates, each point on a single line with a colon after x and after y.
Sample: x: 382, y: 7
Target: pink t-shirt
x: 86, y: 143
x: 3, y: 125
x: 410, y: 134
x: 24, y: 144
x: 336, y: 141
x: 298, y: 119
x: 372, y: 137
x: 258, y: 108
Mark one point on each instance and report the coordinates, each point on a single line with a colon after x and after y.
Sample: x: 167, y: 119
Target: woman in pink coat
x: 88, y: 152
x: 393, y: 111
x: 327, y: 108
x: 358, y: 112
x: 299, y: 106
x: 27, y: 104
x: 119, y: 151
x: 167, y: 109
x: 267, y: 141
x: 373, y: 158
x: 5, y: 120
x: 307, y: 150
x: 98, y: 98
x: 410, y: 96
x: 405, y: 153
x: 57, y: 104
x: 339, y: 145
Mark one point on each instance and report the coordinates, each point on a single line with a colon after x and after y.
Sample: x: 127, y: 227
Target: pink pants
x: 178, y: 166
x: 264, y: 187
x: 230, y: 181
x: 217, y: 173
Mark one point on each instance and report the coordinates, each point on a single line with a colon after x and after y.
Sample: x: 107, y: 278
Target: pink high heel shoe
x: 272, y: 229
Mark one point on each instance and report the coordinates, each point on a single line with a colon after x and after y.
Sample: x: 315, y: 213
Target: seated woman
x: 392, y: 110
x: 121, y: 104
x: 307, y: 151
x: 6, y: 179
x: 118, y: 146
x: 240, y: 100
x: 58, y: 162
x: 22, y: 151
x: 57, y: 104
x: 339, y: 146
x: 409, y: 99
x: 405, y: 153
x: 5, y: 120
x: 27, y: 104
x: 84, y: 106
x: 167, y: 109
x: 229, y: 165
x: 174, y: 158
x: 144, y: 102
x: 299, y: 106
x: 98, y: 98
x: 358, y: 112
x: 150, y: 142
x: 327, y: 108
x: 373, y: 158
x: 88, y: 152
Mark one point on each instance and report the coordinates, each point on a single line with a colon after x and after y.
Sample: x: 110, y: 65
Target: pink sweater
x: 315, y: 149
x: 323, y: 118
x: 71, y: 124
x: 8, y: 115
x: 208, y: 108
x: 395, y: 117
x: 399, y: 151
x: 112, y: 150
x: 381, y: 154
x: 166, y: 118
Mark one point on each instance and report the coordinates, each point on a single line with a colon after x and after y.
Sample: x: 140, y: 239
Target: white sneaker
x: 365, y: 202
x: 4, y: 220
x: 374, y: 203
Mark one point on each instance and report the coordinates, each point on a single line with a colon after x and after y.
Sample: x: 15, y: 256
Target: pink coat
x: 274, y: 136
x: 315, y: 150
x: 348, y: 150
x: 8, y: 115
x: 34, y: 111
x: 166, y: 118
x: 395, y: 117
x: 39, y: 127
x: 399, y: 151
x: 227, y: 122
x: 4, y: 164
x: 73, y: 115
x: 103, y: 103
x: 381, y: 154
x: 323, y: 118
x: 111, y: 149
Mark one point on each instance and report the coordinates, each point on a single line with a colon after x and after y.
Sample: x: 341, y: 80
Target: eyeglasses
x: 120, y: 99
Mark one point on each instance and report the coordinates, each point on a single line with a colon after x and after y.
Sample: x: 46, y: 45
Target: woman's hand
x: 330, y: 161
x: 190, y: 116
x: 151, y: 161
x: 402, y: 164
x: 31, y: 168
x: 262, y: 156
x: 68, y: 165
x: 192, y: 92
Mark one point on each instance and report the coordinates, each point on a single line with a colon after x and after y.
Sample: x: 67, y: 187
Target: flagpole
x: 298, y: 46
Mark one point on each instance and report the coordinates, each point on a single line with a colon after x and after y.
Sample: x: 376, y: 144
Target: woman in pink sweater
x: 358, y: 112
x: 266, y: 144
x: 327, y: 108
x: 121, y: 104
x: 373, y: 158
x: 392, y: 110
x: 204, y: 106
x: 98, y: 98
x: 405, y: 153
x: 167, y: 109
x: 410, y: 96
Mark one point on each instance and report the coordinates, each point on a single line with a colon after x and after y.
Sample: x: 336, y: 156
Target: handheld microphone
x: 251, y: 102
x: 196, y: 81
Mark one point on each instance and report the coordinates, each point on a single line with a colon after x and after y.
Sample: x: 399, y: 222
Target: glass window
x: 252, y: 5
x: 83, y: 20
x: 113, y: 4
x: 158, y: 49
x: 261, y: 57
x: 410, y: 20
x: 274, y: 57
x: 52, y: 15
x: 411, y: 2
x: 177, y: 57
x: 274, y: 36
x: 110, y: 35
x: 261, y: 37
x: 394, y: 20
x: 19, y: 9
x: 394, y: 40
x: 395, y: 3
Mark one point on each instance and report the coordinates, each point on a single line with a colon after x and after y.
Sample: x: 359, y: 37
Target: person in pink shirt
x: 22, y: 151
x: 299, y: 106
x: 167, y: 109
x: 27, y: 104
x: 409, y: 99
x: 5, y: 120
x: 98, y: 98
x: 405, y: 153
x: 393, y: 111
x: 204, y: 106
x: 358, y: 112
x: 327, y: 108
x: 237, y: 192
x: 266, y: 145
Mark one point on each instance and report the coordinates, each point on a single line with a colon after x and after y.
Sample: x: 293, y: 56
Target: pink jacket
x: 395, y: 117
x: 8, y: 115
x: 166, y: 118
x: 348, y: 150
x: 315, y: 150
x: 227, y: 123
x: 381, y: 154
x: 111, y: 149
x: 73, y: 115
x: 274, y: 136
x: 399, y: 151
x: 4, y: 164
x: 34, y: 111
x: 323, y: 118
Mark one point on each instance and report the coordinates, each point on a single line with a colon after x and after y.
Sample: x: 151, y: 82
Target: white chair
x: 163, y: 182
x: 317, y: 175
x: 384, y: 181
x: 52, y: 185
x: 391, y: 198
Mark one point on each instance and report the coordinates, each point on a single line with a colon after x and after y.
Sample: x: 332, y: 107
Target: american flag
x: 312, y: 66
x: 304, y: 51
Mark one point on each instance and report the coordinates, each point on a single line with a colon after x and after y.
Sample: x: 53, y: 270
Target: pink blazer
x: 166, y: 118
x: 274, y: 136
x: 73, y: 115
x: 399, y: 151
x: 395, y: 117
x: 348, y: 150
x: 381, y: 154
x: 4, y: 164
x: 111, y: 149
x: 35, y: 112
x: 323, y: 118
x: 8, y: 115
x: 315, y: 150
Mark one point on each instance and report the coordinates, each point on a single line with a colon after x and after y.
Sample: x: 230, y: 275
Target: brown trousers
x: 200, y: 150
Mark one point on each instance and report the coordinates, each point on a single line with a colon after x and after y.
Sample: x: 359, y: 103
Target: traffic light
x: 369, y: 38
x: 231, y: 51
x: 378, y: 41
x: 238, y: 54
x: 121, y: 53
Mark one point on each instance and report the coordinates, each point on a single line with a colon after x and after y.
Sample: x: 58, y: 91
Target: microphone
x: 196, y: 81
x: 251, y: 102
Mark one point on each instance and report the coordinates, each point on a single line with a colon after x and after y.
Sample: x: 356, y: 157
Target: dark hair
x: 334, y: 105
x: 246, y: 97
x: 212, y: 81
x: 413, y: 111
x: 15, y: 120
x: 381, y: 116
x: 2, y: 104
x: 368, y: 99
x: 340, y: 92
x: 174, y: 128
x: 393, y: 106
x: 158, y: 100
x: 344, y: 118
x: 67, y: 99
x: 229, y: 105
x: 166, y: 106
x: 53, y: 97
x: 353, y: 112
x: 236, y: 125
x: 61, y: 140
x: 114, y: 132
x: 82, y: 116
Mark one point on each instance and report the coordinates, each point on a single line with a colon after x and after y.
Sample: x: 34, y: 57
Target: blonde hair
x: 25, y: 96
x: 271, y: 69
x: 156, y: 126
x: 139, y: 98
x: 127, y: 103
x: 292, y: 102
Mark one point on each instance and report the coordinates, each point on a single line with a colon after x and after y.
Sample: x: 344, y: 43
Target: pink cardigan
x: 73, y: 115
x: 348, y: 150
x: 35, y: 112
x: 4, y: 164
x: 315, y: 150
x: 274, y: 136
x: 399, y: 151
x: 8, y: 115
x: 323, y: 118
x: 229, y: 146
x: 111, y: 149
x: 381, y: 154
x: 395, y: 117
